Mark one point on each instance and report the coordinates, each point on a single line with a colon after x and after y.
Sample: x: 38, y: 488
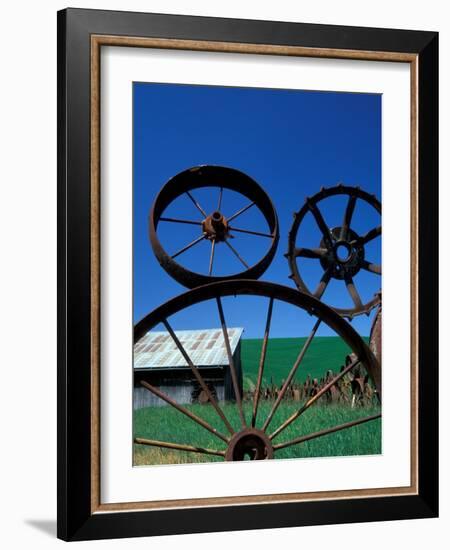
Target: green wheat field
x: 324, y: 353
x: 167, y: 424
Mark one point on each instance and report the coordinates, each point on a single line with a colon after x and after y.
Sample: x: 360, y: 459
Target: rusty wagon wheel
x: 215, y: 226
x: 341, y: 251
x: 255, y: 440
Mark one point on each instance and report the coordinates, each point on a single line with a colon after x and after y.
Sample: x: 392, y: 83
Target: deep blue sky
x: 291, y: 142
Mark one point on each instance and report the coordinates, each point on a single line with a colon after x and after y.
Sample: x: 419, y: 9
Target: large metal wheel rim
x: 251, y: 439
x: 211, y: 176
x: 269, y: 290
x: 293, y: 233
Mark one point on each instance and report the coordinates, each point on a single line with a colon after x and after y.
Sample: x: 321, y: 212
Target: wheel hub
x: 345, y: 256
x: 249, y: 444
x: 216, y: 226
x: 343, y: 252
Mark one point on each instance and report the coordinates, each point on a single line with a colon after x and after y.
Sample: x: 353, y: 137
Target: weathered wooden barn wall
x: 181, y: 393
x: 179, y: 385
x: 158, y: 361
x: 228, y: 382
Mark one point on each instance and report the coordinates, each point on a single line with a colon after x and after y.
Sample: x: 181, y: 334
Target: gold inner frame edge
x: 97, y: 41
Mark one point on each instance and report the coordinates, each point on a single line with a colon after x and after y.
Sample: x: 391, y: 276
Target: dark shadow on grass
x: 46, y: 526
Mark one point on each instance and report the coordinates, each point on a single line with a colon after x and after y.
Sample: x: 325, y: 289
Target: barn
x: 158, y: 361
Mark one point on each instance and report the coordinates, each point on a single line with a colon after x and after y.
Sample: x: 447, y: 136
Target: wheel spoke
x: 257, y: 233
x: 197, y: 375
x: 178, y: 220
x: 321, y: 433
x: 348, y: 216
x: 354, y: 294
x: 211, y: 257
x: 262, y: 361
x: 234, y: 376
x: 239, y: 212
x: 313, y: 253
x: 236, y: 253
x: 369, y: 236
x: 320, y: 222
x: 313, y: 399
x: 196, y: 204
x: 323, y: 284
x: 183, y: 410
x: 373, y: 268
x: 291, y: 374
x: 177, y: 446
x: 188, y: 246
x: 219, y: 203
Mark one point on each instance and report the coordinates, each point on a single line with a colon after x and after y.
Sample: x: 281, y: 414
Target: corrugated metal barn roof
x: 157, y: 350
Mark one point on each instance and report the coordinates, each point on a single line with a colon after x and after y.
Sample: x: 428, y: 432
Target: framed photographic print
x: 247, y: 274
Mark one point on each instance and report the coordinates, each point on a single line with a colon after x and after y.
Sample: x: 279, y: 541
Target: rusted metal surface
x: 328, y: 431
x: 362, y: 392
x: 248, y: 442
x: 177, y: 446
x: 262, y: 361
x: 341, y: 251
x: 234, y: 375
x: 198, y: 376
x: 184, y: 411
x: 214, y: 226
x: 317, y: 393
x: 339, y: 392
x: 375, y: 343
x: 291, y: 373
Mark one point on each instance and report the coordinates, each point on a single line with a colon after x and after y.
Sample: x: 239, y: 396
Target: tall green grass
x: 167, y: 424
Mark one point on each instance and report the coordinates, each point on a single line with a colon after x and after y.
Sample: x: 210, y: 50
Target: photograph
x: 247, y: 274
x: 222, y: 227
x: 257, y: 260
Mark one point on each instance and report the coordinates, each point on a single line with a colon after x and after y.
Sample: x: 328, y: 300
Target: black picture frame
x: 76, y: 519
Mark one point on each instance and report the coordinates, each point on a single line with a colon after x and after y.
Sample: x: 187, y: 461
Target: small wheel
x: 218, y: 227
x: 341, y: 251
x: 252, y: 431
